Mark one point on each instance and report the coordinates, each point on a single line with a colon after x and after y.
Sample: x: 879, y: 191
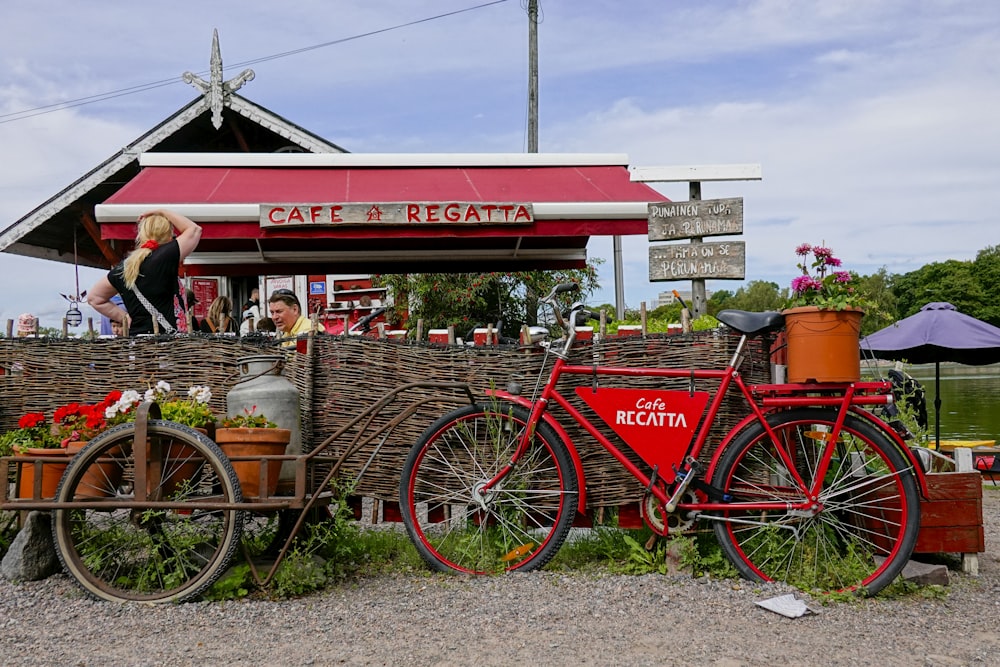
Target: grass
x: 339, y: 549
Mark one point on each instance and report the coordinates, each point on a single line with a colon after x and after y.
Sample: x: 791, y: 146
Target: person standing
x: 253, y: 301
x: 287, y: 314
x: 250, y: 313
x: 147, y: 278
x: 219, y: 319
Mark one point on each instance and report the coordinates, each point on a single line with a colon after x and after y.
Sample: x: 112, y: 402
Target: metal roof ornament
x: 215, y: 89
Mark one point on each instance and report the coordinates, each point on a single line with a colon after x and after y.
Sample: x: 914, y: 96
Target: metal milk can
x: 263, y: 390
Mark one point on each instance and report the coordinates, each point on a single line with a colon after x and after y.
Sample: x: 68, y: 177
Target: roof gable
x: 219, y: 120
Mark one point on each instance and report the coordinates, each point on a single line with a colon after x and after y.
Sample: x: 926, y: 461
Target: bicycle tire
x: 867, y: 516
x: 517, y: 525
x: 150, y: 554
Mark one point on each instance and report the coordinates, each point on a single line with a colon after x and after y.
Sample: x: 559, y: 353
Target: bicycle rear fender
x: 561, y: 432
x: 733, y: 432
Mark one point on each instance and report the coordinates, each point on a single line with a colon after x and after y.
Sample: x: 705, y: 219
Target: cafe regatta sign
x: 395, y: 213
x: 657, y: 423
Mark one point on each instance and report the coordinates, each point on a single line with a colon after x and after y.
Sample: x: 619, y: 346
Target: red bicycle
x: 811, y: 487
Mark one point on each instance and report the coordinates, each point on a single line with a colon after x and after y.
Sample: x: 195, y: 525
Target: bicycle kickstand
x: 686, y: 477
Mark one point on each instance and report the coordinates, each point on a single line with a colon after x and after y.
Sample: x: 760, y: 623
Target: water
x: 970, y: 400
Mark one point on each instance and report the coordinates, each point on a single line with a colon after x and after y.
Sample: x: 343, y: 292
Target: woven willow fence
x: 341, y: 377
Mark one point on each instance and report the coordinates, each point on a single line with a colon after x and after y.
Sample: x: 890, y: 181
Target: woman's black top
x: 157, y: 281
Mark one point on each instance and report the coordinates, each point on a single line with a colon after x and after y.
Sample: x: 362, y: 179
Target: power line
x: 100, y: 97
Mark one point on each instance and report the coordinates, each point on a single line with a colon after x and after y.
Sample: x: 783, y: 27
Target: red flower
x: 62, y: 413
x: 111, y: 398
x: 31, y: 420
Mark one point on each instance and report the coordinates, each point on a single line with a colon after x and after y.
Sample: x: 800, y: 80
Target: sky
x: 875, y: 123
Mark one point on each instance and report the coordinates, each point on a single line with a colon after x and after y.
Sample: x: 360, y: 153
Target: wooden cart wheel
x: 139, y: 524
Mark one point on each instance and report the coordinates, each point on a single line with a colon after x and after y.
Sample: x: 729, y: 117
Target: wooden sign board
x: 396, y: 213
x: 690, y: 261
x: 669, y: 221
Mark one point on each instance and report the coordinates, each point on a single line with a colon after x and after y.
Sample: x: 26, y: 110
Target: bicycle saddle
x: 751, y: 323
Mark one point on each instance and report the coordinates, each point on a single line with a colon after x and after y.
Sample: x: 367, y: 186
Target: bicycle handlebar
x: 559, y: 289
x: 362, y: 324
x: 550, y: 299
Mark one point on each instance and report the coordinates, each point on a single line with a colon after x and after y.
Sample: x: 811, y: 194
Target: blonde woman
x: 147, y: 278
x: 219, y: 319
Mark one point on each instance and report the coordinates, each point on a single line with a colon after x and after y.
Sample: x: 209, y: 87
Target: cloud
x: 874, y: 122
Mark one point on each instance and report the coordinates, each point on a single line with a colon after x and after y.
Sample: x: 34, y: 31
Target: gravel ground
x: 538, y: 618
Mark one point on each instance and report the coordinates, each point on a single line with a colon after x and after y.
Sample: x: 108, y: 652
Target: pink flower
x: 820, y: 285
x: 805, y: 283
x: 820, y: 252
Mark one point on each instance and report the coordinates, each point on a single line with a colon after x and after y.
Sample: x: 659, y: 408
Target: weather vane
x: 215, y: 88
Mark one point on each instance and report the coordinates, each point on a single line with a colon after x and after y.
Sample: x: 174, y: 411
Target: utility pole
x: 532, y: 76
x: 532, y: 299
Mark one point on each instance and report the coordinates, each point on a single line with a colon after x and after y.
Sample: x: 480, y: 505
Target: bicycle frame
x: 681, y: 464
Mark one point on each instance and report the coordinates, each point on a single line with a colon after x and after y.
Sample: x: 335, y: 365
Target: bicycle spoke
x: 461, y: 516
x: 859, y: 532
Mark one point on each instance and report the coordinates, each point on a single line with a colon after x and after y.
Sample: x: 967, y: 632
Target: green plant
x: 194, y: 410
x: 234, y: 584
x: 12, y: 440
x: 822, y: 286
x: 249, y: 419
x: 122, y: 409
x: 32, y: 431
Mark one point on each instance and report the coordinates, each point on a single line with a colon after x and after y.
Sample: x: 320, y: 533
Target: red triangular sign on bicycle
x: 657, y: 424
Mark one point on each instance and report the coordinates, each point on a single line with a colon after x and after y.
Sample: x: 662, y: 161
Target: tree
x: 986, y: 269
x: 758, y: 296
x: 718, y: 301
x: 878, y: 289
x: 468, y: 300
x: 953, y: 281
x: 670, y: 312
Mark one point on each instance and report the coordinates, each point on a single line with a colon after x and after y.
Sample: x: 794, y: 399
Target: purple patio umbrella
x: 937, y: 333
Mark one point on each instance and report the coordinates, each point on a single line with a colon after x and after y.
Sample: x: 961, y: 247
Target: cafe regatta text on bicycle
x: 658, y: 424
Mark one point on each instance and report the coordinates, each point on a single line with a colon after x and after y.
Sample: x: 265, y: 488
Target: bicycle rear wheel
x: 861, y: 528
x: 458, y: 525
x: 160, y: 551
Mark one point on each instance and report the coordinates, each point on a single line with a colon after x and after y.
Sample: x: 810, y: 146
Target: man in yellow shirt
x: 287, y: 314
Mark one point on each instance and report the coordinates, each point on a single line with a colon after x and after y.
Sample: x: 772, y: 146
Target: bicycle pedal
x: 686, y: 477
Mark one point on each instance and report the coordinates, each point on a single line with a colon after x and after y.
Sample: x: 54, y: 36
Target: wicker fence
x: 340, y: 377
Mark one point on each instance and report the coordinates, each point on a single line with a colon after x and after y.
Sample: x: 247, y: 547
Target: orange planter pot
x: 823, y: 344
x: 236, y: 442
x: 180, y: 464
x: 51, y: 473
x: 102, y: 477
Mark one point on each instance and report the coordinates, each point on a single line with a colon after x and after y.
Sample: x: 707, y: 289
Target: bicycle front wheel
x: 456, y: 523
x: 159, y: 550
x: 856, y: 535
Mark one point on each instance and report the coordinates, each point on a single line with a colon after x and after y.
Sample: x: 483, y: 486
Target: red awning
x: 571, y: 204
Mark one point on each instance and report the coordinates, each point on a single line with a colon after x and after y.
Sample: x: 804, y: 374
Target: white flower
x: 129, y: 398
x: 163, y: 387
x: 150, y: 395
x: 200, y: 394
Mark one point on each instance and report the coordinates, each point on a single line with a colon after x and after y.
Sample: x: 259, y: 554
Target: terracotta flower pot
x: 180, y: 464
x: 102, y: 477
x: 236, y: 442
x: 823, y: 345
x: 51, y: 473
